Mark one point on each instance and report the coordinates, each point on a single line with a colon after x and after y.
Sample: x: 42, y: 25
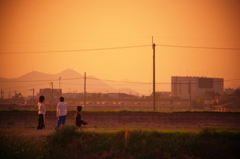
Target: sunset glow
x: 48, y: 36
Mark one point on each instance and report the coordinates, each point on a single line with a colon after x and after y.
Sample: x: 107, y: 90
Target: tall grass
x: 147, y: 143
x: 16, y: 146
x: 71, y: 142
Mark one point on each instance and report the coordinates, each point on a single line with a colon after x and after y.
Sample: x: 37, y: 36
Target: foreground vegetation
x: 70, y: 142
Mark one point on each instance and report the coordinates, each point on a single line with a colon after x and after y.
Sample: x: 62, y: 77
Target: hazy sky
x: 30, y: 30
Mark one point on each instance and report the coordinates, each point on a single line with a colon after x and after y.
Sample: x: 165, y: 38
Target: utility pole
x: 15, y: 93
x: 153, y: 47
x: 52, y: 95
x: 2, y: 94
x: 85, y: 90
x: 33, y: 96
x: 190, y: 91
x: 9, y: 94
x: 59, y: 86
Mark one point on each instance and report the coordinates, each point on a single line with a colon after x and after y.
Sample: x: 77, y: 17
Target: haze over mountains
x: 70, y: 81
x: 73, y: 82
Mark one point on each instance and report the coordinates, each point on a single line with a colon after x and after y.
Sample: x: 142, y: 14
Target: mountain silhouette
x: 68, y: 80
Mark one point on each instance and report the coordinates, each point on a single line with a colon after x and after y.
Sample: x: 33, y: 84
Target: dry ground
x: 114, y: 120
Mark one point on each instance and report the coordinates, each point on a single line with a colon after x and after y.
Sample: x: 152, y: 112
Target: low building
x: 51, y: 96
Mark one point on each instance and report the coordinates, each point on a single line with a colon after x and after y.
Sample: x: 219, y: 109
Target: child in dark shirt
x: 78, y: 121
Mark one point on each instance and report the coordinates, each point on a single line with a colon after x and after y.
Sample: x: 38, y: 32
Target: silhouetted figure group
x: 61, y: 113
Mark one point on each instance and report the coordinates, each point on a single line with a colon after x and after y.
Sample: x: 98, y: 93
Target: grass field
x: 70, y: 142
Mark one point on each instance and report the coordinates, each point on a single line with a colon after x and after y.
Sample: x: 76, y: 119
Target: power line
x: 205, y: 39
x: 30, y: 81
x: 232, y: 80
x: 72, y: 84
x: 150, y: 82
x: 80, y: 50
x: 123, y: 47
x: 119, y: 81
x: 128, y: 82
x: 26, y: 86
x: 71, y: 78
x: 71, y: 41
x: 199, y: 47
x: 114, y: 39
x: 44, y: 80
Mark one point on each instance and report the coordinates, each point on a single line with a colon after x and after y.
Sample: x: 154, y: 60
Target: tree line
x: 218, y: 99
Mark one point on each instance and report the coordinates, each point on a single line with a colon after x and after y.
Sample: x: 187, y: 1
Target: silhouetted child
x: 61, y: 112
x: 78, y: 121
x: 41, y: 113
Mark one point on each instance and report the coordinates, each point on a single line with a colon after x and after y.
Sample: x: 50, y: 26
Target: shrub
x: 63, y: 135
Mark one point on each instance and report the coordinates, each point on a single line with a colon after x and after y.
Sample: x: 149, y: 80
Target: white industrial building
x: 187, y: 87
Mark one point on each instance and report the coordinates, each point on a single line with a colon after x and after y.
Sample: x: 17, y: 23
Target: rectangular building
x: 187, y: 86
x: 51, y: 96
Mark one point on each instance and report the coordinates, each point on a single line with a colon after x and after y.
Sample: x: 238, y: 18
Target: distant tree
x: 96, y: 95
x: 93, y: 95
x: 157, y: 95
x: 237, y: 93
x: 208, y: 95
x: 211, y: 95
x: 199, y: 101
x: 17, y: 96
x: 105, y: 96
x: 99, y: 95
x: 222, y: 99
x: 226, y: 98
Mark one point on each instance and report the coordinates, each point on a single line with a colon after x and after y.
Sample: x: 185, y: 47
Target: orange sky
x: 30, y: 27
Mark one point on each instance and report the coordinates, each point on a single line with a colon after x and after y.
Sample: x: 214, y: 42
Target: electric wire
x: 128, y: 82
x: 122, y: 47
x: 26, y: 86
x: 198, y: 47
x: 80, y: 50
x: 72, y: 41
x: 49, y: 80
x: 205, y: 39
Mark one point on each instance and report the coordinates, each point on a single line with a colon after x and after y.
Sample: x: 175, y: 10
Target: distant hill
x: 68, y: 80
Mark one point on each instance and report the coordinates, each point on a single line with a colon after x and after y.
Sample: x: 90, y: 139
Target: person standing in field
x: 61, y: 112
x: 77, y: 118
x: 41, y: 113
